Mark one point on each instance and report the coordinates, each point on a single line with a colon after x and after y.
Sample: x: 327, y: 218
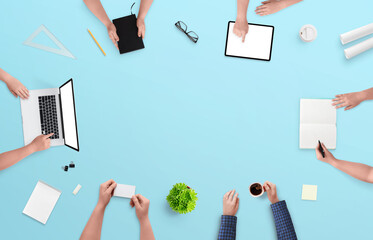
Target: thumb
x: 135, y: 201
x: 111, y: 188
x: 139, y: 32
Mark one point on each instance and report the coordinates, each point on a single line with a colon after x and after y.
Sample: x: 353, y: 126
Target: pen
x: 321, y: 150
x: 96, y: 42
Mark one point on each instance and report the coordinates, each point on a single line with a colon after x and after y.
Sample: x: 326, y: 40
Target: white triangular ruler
x: 62, y: 51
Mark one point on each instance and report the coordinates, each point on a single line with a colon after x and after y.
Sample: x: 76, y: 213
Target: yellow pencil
x: 96, y: 42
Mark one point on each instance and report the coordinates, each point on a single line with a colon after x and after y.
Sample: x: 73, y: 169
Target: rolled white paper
x: 359, y: 48
x: 356, y: 34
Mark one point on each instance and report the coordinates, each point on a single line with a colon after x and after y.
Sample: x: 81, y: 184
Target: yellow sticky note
x: 309, y: 192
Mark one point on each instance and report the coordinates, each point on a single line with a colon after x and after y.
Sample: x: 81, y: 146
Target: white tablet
x: 257, y: 45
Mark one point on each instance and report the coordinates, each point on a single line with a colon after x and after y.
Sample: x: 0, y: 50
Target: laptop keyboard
x: 48, y: 115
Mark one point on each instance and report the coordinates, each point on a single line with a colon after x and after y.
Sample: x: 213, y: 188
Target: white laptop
x: 257, y: 45
x: 51, y: 110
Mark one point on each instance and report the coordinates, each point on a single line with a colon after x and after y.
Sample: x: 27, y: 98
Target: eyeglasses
x: 183, y: 27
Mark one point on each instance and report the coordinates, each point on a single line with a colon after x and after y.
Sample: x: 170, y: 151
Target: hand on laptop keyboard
x: 41, y: 142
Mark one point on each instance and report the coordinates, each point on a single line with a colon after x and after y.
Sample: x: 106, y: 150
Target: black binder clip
x: 65, y: 168
x: 72, y: 165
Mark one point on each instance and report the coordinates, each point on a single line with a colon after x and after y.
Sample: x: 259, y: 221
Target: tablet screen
x: 257, y: 45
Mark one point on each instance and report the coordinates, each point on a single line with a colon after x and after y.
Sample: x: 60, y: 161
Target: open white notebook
x: 318, y: 119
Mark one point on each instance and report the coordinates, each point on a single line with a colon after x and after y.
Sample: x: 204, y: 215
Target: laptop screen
x: 69, y: 115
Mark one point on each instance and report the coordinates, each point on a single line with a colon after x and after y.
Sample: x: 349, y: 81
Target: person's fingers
x: 14, y: 94
x: 339, y: 95
x: 339, y: 101
x: 111, y: 36
x: 235, y: 197
x: 108, y: 183
x: 49, y: 135
x: 336, y: 99
x: 226, y: 194
x: 135, y: 201
x: 23, y: 94
x: 20, y: 94
x: 141, y: 198
x: 260, y: 7
x: 131, y: 203
x: 325, y: 149
x: 265, y: 2
x: 237, y: 32
x: 26, y: 92
x: 349, y: 107
x: 232, y: 195
x: 116, y: 36
x: 113, y: 39
x: 237, y: 204
x: 111, y: 188
x: 342, y: 105
x: 143, y: 32
x: 229, y: 194
x: 139, y: 32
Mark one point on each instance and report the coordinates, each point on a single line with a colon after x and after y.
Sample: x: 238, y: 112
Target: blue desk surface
x: 183, y: 112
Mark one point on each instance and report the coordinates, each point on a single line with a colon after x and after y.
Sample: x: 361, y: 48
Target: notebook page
x: 317, y: 111
x: 310, y: 134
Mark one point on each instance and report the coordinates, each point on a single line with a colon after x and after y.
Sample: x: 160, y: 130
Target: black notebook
x: 127, y: 32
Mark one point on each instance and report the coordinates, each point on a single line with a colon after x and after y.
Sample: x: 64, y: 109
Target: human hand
x: 348, y: 100
x: 41, y: 142
x: 112, y: 31
x: 241, y: 28
x: 106, y: 192
x: 269, y: 7
x: 141, y: 26
x: 271, y: 190
x: 141, y: 205
x: 230, y: 203
x: 328, y: 155
x: 17, y: 88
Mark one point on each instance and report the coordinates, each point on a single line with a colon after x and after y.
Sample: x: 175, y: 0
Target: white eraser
x: 126, y: 191
x: 76, y: 190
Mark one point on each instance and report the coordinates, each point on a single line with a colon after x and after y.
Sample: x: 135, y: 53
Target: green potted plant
x: 182, y: 199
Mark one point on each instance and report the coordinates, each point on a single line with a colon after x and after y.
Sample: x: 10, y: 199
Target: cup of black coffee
x: 256, y: 189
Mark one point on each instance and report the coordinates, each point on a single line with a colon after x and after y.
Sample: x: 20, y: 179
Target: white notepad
x: 257, y: 45
x: 41, y: 202
x: 126, y: 191
x: 318, y: 119
x: 309, y: 192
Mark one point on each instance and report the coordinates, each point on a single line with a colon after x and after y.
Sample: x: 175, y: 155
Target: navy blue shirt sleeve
x: 227, y: 229
x: 283, y: 222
